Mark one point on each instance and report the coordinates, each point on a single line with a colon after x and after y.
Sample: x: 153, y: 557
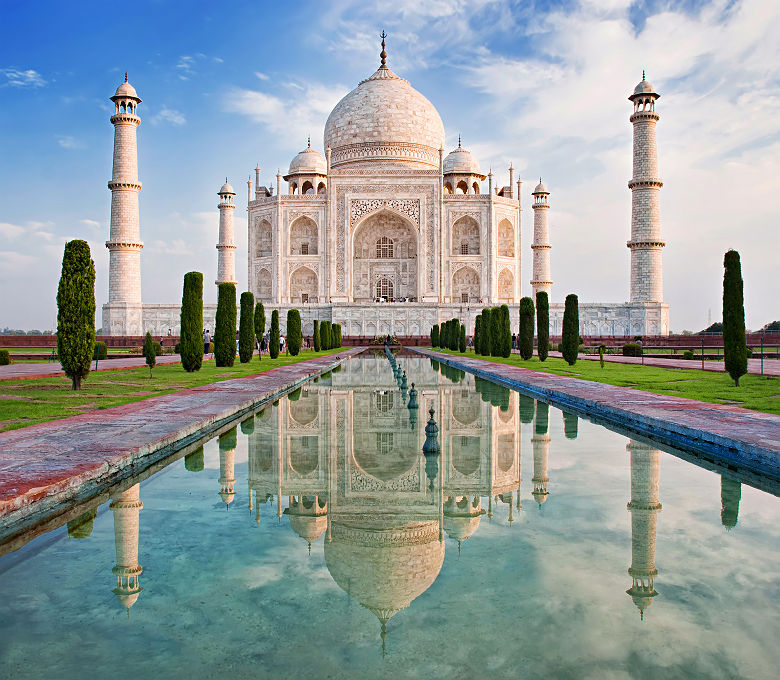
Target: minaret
x: 542, y: 279
x: 122, y: 314
x: 541, y: 446
x: 644, y: 506
x: 126, y: 508
x: 226, y: 248
x: 645, y: 185
x: 227, y: 477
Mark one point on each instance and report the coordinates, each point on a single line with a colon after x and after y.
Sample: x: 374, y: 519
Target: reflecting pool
x: 315, y: 536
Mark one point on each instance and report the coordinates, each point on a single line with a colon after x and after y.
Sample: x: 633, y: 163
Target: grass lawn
x: 759, y: 393
x: 37, y: 400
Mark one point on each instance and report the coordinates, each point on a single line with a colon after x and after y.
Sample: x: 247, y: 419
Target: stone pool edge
x: 762, y: 457
x: 38, y: 504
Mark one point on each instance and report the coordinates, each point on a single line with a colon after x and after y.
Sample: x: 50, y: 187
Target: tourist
x: 281, y: 343
x: 206, y: 342
x: 263, y: 345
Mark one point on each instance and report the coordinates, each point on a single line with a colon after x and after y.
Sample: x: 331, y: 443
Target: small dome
x: 644, y: 88
x: 460, y: 528
x: 540, y: 188
x: 126, y: 91
x: 540, y: 496
x: 461, y: 161
x: 227, y: 189
x: 308, y: 162
x: 309, y: 527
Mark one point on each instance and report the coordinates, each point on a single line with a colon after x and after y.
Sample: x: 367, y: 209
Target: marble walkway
x: 728, y: 434
x: 44, y: 466
x: 52, y: 370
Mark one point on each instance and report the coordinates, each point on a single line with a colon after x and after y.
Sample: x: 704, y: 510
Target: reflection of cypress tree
x: 526, y: 409
x: 542, y: 417
x: 434, y: 364
x: 505, y: 396
x: 227, y: 440
x: 248, y: 425
x: 570, y: 425
x: 482, y: 388
x: 193, y: 462
x: 294, y: 395
x: 81, y: 527
x: 730, y: 495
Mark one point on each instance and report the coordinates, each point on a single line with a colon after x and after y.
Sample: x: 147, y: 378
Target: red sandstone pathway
x: 771, y: 366
x: 52, y: 370
x: 52, y: 462
x: 754, y: 435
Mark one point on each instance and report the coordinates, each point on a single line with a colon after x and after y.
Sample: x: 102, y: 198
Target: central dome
x: 384, y: 119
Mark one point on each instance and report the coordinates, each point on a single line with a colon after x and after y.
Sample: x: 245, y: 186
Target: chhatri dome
x: 384, y: 119
x: 308, y: 162
x: 126, y: 91
x: 643, y: 87
x: 461, y: 162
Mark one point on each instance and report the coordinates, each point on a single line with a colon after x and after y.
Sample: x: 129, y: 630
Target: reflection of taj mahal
x: 386, y: 232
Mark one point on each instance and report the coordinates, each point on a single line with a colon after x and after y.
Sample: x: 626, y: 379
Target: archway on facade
x: 385, y: 262
x: 506, y: 239
x: 263, y: 242
x: 303, y: 237
x: 465, y: 285
x: 264, y: 286
x: 465, y: 236
x: 506, y: 284
x: 303, y: 285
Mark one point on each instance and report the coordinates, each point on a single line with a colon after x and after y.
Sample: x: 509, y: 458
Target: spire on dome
x: 459, y: 141
x: 643, y: 74
x: 308, y: 142
x: 126, y: 76
x: 383, y: 54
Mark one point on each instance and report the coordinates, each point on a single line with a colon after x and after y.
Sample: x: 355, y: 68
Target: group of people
x: 261, y: 345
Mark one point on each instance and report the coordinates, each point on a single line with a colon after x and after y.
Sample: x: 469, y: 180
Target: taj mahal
x: 386, y: 233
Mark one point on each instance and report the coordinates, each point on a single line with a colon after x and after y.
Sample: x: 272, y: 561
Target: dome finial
x: 125, y: 76
x: 308, y: 142
x: 643, y: 74
x: 383, y: 54
x: 459, y: 141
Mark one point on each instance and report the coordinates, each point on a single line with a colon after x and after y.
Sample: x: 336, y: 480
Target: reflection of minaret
x: 644, y: 506
x: 227, y: 479
x: 541, y: 446
x: 126, y: 508
x: 730, y: 495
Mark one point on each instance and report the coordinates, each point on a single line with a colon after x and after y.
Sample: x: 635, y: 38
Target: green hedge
x: 225, y: 331
x: 526, y: 335
x: 632, y: 349
x: 101, y: 351
x: 273, y: 348
x: 570, y: 339
x: 317, y: 340
x: 5, y: 357
x: 246, y: 328
x: 294, y: 335
x: 190, y: 345
x: 542, y: 324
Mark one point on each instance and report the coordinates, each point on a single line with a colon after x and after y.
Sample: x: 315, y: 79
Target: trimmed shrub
x: 325, y: 339
x: 259, y: 325
x: 246, y: 328
x: 150, y: 352
x: 101, y: 351
x: 435, y: 335
x: 632, y: 349
x: 734, y: 349
x: 294, y: 335
x: 487, y: 332
x: 749, y: 352
x: 570, y: 336
x: 273, y: 348
x: 337, y: 335
x: 76, y: 312
x: 225, y: 331
x: 495, y: 332
x: 294, y: 395
x: 177, y: 348
x: 247, y: 425
x: 462, y: 342
x: 5, y: 357
x: 191, y: 340
x: 317, y: 341
x: 688, y: 354
x: 477, y: 333
x: 542, y: 324
x: 525, y: 337
x: 506, y: 331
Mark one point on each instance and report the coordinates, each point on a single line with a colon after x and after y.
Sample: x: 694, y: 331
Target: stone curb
x: 34, y: 491
x: 756, y: 448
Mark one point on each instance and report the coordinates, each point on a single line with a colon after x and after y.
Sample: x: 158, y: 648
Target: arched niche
x: 303, y: 285
x: 263, y: 239
x: 506, y: 285
x: 384, y: 250
x: 303, y: 237
x: 264, y: 286
x: 506, y: 239
x: 465, y: 285
x: 465, y: 232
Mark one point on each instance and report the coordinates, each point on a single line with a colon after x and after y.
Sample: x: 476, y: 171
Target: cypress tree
x: 316, y: 340
x: 191, y: 339
x: 273, y: 348
x: 435, y: 335
x: 506, y: 332
x: 76, y: 312
x: 447, y: 330
x: 246, y: 328
x: 526, y: 334
x: 454, y: 334
x: 294, y: 335
x: 149, y: 353
x: 225, y: 331
x: 259, y: 325
x: 542, y: 325
x: 325, y: 334
x: 337, y: 336
x: 495, y: 332
x: 487, y: 332
x: 734, y: 348
x: 570, y: 338
x: 477, y: 333
x: 462, y: 343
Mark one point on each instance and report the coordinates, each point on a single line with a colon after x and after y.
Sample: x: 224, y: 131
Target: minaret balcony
x: 644, y: 183
x: 124, y: 185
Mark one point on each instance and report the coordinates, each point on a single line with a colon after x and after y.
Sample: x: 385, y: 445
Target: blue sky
x: 540, y: 85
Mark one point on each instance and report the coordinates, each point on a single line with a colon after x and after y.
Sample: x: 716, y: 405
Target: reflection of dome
x: 308, y: 162
x: 460, y: 528
x: 309, y: 527
x: 540, y: 496
x: 461, y: 161
x: 385, y: 568
x: 384, y: 118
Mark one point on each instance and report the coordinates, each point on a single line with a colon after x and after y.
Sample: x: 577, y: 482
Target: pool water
x: 315, y: 537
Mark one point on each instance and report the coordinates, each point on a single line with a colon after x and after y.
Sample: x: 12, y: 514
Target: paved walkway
x: 43, y: 467
x: 771, y: 366
x: 51, y: 370
x: 727, y: 433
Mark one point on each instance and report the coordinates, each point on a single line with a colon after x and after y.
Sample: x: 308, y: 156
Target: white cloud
x: 166, y: 115
x: 69, y: 142
x: 92, y: 224
x: 27, y: 78
x: 260, y: 75
x: 13, y: 261
x: 11, y: 231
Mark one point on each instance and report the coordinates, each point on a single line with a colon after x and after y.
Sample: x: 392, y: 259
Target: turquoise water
x: 316, y: 538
